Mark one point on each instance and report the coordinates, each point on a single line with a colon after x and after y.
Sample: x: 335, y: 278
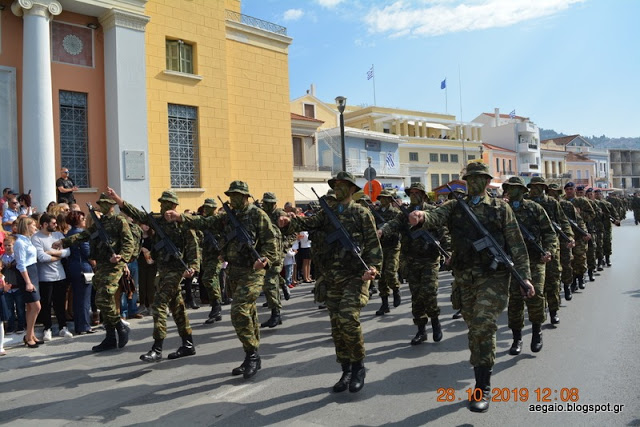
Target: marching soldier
x: 483, y: 292
x: 583, y: 213
x: 542, y: 242
x: 319, y: 253
x: 210, y: 271
x: 609, y: 213
x: 171, y: 271
x: 110, y: 267
x: 344, y: 275
x: 635, y: 206
x: 594, y: 225
x: 245, y: 272
x: 390, y: 243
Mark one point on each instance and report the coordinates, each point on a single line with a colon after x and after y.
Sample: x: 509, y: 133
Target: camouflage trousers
x: 211, y: 279
x: 484, y: 296
x: 535, y: 305
x: 591, y: 251
x: 169, y: 295
x: 345, y: 298
x: 553, y: 271
x: 389, y: 274
x: 606, y: 241
x: 271, y: 287
x: 579, y: 263
x: 566, y: 263
x: 422, y: 275
x: 245, y: 285
x: 636, y: 215
x: 106, y: 282
x: 599, y: 244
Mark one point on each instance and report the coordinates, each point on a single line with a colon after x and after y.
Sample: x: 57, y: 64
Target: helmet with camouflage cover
x: 238, y: 187
x: 385, y: 193
x: 169, y: 196
x: 210, y: 203
x: 514, y: 181
x: 415, y: 186
x: 269, y: 197
x: 537, y: 180
x: 344, y: 176
x: 104, y: 198
x: 477, y: 168
x: 554, y: 187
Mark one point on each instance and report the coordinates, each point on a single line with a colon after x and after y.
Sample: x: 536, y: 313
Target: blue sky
x: 569, y: 65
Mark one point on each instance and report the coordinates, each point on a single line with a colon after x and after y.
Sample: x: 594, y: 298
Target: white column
x: 38, y: 149
x: 126, y: 104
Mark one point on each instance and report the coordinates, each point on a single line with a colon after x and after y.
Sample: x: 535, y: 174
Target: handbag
x: 127, y: 285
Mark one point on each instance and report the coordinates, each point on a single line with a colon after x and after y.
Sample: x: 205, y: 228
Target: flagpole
x: 464, y: 151
x: 374, y: 85
x: 446, y: 98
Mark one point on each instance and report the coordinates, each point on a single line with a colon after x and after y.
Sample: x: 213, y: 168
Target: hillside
x: 598, y: 141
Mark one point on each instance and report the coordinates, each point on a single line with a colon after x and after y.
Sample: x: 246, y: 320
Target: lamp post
x: 341, y: 102
x: 481, y: 153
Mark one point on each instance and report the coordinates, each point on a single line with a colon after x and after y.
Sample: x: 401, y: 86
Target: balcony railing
x: 357, y: 167
x: 255, y: 22
x: 312, y: 168
x: 557, y: 175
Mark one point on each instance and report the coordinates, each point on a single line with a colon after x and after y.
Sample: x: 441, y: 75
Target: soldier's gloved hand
x: 416, y: 218
x: 546, y: 258
x: 188, y: 274
x: 370, y: 274
x: 115, y: 259
x: 57, y: 245
x: 283, y: 221
x: 260, y: 264
x: 530, y: 290
x: 172, y: 216
x: 571, y: 244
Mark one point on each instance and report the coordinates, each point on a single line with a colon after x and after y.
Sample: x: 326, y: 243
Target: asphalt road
x: 590, y: 358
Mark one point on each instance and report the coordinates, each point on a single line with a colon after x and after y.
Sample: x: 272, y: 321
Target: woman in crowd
x: 78, y: 265
x: 147, y: 269
x: 26, y: 263
x: 25, y: 205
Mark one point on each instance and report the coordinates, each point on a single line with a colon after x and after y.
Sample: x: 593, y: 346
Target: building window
x: 297, y: 151
x: 435, y: 181
x: 444, y: 158
x: 510, y: 169
x: 504, y: 165
x: 413, y: 157
x: 498, y: 165
x: 74, y: 144
x: 183, y: 146
x: 579, y: 174
x: 586, y: 174
x: 310, y: 111
x: 415, y: 180
x: 444, y: 178
x: 179, y: 56
x: 454, y: 158
x: 471, y: 157
x: 433, y: 157
x: 455, y: 177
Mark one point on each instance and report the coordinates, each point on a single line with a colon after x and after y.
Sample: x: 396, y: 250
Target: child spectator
x: 13, y: 294
x: 289, y: 262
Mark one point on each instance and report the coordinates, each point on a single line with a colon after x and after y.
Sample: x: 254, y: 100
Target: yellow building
x: 218, y: 101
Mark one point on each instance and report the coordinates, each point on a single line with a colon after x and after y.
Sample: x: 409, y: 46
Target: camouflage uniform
x: 390, y: 252
x: 566, y: 253
x: 584, y: 213
x: 598, y: 226
x: 608, y: 211
x: 534, y: 218
x: 243, y: 280
x: 319, y: 253
x: 170, y: 271
x: 421, y: 267
x: 635, y: 206
x: 107, y: 275
x: 210, y: 269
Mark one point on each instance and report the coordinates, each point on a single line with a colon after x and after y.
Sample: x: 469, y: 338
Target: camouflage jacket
x: 535, y: 219
x: 414, y: 248
x: 596, y: 222
x: 257, y: 224
x: 608, y: 211
x: 183, y: 238
x: 390, y: 239
x: 572, y: 214
x: 287, y: 240
x: 555, y: 213
x: 635, y: 203
x: 136, y: 232
x: 211, y: 244
x: 583, y: 208
x: 336, y: 260
x: 497, y: 217
x: 119, y: 232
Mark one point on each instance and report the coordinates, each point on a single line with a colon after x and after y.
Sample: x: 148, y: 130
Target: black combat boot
x: 574, y: 285
x: 285, y: 291
x: 457, y: 314
x: 536, y: 338
x: 397, y: 299
x: 600, y: 264
x: 437, y: 329
x: 384, y: 308
x: 155, y: 354
x: 581, y: 284
x: 516, y: 347
x: 372, y: 289
x: 123, y: 334
x: 554, y: 317
x: 420, y: 336
x: 567, y: 292
x: 357, y: 376
x: 483, y: 382
x: 608, y: 260
x: 274, y: 320
x: 252, y: 364
x: 109, y: 342
x: 189, y: 300
x: 215, y: 313
x: 186, y: 349
x: 343, y: 382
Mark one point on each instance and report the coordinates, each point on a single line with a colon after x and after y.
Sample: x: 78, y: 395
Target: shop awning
x: 436, y: 126
x: 303, y: 194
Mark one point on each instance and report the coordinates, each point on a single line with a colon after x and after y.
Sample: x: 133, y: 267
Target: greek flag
x: 390, y: 161
x: 370, y: 73
x: 443, y: 84
x: 512, y: 114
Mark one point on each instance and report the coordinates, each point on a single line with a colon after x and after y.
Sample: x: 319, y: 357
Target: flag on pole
x: 443, y: 84
x: 512, y: 114
x: 370, y: 73
x: 390, y: 161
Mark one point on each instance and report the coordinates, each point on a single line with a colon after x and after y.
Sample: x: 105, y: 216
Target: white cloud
x: 329, y: 3
x: 293, y: 14
x: 436, y: 17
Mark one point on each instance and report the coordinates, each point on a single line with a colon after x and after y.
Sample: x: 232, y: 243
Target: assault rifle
x: 576, y: 228
x: 239, y: 232
x: 100, y: 232
x: 165, y: 242
x: 340, y: 233
x: 614, y: 221
x: 376, y: 215
x: 488, y: 242
x: 210, y: 240
x: 424, y: 235
x: 559, y: 231
x: 531, y: 239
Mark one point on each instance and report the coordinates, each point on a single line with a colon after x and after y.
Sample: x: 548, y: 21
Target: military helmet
x: 569, y: 185
x: 238, y: 187
x: 104, y: 198
x: 554, y: 187
x: 210, y: 203
x: 169, y: 196
x: 415, y: 186
x: 477, y: 168
x: 344, y: 176
x: 269, y: 197
x: 537, y: 180
x: 514, y: 181
x: 385, y: 193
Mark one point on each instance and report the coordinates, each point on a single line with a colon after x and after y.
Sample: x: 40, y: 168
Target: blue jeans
x: 129, y: 307
x: 15, y: 304
x: 81, y: 303
x: 288, y: 274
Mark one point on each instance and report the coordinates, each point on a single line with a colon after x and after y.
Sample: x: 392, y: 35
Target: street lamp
x: 341, y: 102
x: 481, y: 152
